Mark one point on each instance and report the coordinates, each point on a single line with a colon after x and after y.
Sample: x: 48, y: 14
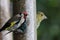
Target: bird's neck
x: 38, y: 22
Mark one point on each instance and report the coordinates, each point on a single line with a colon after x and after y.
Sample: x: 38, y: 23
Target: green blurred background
x: 50, y: 28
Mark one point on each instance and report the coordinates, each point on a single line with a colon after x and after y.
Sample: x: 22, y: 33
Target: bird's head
x: 41, y: 16
x: 25, y: 14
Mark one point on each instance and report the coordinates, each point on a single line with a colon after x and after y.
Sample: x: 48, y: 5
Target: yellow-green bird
x: 40, y: 17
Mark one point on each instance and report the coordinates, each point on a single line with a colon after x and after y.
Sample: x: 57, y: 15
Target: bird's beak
x: 45, y: 17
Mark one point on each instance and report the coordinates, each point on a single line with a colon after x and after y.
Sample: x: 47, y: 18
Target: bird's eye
x: 41, y: 14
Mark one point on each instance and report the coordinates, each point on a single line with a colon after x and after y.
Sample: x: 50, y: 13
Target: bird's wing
x: 18, y: 25
x: 10, y: 22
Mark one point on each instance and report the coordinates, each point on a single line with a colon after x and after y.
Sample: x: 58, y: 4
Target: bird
x: 40, y: 16
x: 14, y: 22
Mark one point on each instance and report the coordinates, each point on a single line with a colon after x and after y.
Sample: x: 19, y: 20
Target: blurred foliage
x: 11, y: 0
x: 50, y: 28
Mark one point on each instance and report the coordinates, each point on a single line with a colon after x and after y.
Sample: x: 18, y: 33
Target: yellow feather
x: 12, y: 24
